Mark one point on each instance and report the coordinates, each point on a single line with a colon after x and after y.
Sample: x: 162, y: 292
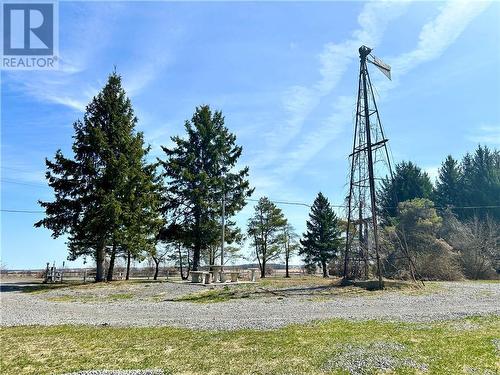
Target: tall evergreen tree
x: 322, y: 240
x: 480, y: 183
x: 200, y: 170
x: 409, y: 182
x: 448, y: 190
x: 265, y: 229
x: 107, y: 196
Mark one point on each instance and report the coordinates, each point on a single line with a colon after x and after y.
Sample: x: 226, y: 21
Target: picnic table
x: 216, y: 274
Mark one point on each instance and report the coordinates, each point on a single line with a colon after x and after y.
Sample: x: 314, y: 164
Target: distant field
x: 469, y: 346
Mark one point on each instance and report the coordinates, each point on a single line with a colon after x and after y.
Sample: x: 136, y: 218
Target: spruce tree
x: 409, y: 182
x: 200, y: 169
x: 322, y: 240
x: 448, y: 190
x: 480, y: 183
x: 107, y: 195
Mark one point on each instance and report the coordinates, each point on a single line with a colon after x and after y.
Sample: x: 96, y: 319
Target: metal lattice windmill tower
x: 369, y: 153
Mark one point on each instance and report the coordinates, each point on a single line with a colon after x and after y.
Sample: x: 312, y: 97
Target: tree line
x: 441, y: 231
x: 449, y: 229
x: 110, y: 201
x: 468, y: 188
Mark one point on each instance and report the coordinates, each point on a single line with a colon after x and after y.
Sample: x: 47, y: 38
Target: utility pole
x: 369, y: 140
x: 223, y: 227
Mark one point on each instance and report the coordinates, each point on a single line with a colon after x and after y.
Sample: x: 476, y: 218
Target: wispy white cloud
x: 65, y: 85
x: 335, y: 58
x: 159, y: 136
x: 437, y: 35
x: 21, y: 170
x: 91, y: 33
x: 434, y: 38
x: 54, y: 88
x: 135, y: 81
x: 26, y: 175
x: 316, y: 140
x: 486, y: 134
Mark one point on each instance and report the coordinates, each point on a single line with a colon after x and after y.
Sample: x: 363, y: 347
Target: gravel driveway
x: 453, y: 300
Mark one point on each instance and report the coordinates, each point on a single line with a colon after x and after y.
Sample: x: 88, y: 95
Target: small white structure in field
x: 252, y: 274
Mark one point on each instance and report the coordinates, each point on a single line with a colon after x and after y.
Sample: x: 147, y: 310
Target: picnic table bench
x: 216, y: 274
x: 232, y: 274
x: 252, y: 274
x: 203, y: 277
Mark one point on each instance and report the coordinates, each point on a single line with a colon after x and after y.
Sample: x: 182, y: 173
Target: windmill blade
x: 382, y: 66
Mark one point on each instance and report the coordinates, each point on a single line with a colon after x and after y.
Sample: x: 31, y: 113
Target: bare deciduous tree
x: 478, y: 241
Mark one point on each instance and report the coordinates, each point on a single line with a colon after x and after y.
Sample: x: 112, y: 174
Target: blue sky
x: 284, y: 75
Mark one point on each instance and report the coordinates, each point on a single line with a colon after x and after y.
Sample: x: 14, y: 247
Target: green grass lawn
x: 456, y: 347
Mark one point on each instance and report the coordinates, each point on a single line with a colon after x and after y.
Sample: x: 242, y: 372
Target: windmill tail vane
x: 382, y: 66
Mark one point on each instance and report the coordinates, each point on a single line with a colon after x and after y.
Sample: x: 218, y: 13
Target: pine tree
x: 322, y: 241
x: 480, y: 183
x: 200, y: 171
x: 265, y: 229
x: 107, y: 195
x: 448, y: 190
x: 409, y: 182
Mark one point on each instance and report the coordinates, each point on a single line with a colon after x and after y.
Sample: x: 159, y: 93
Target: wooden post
x: 46, y: 278
x: 62, y: 271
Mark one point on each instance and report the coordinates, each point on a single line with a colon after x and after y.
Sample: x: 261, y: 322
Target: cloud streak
x: 335, y: 58
x: 88, y: 37
x: 434, y: 38
x: 437, y: 35
x: 487, y: 134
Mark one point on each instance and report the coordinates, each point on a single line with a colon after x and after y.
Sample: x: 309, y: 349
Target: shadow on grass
x: 34, y: 287
x: 37, y: 286
x: 334, y: 289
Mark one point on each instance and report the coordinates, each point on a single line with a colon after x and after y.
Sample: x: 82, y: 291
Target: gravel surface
x: 453, y: 300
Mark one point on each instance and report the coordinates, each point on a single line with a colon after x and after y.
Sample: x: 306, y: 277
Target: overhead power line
x: 24, y: 211
x: 27, y: 211
x: 344, y: 206
x: 10, y: 181
x: 282, y: 202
